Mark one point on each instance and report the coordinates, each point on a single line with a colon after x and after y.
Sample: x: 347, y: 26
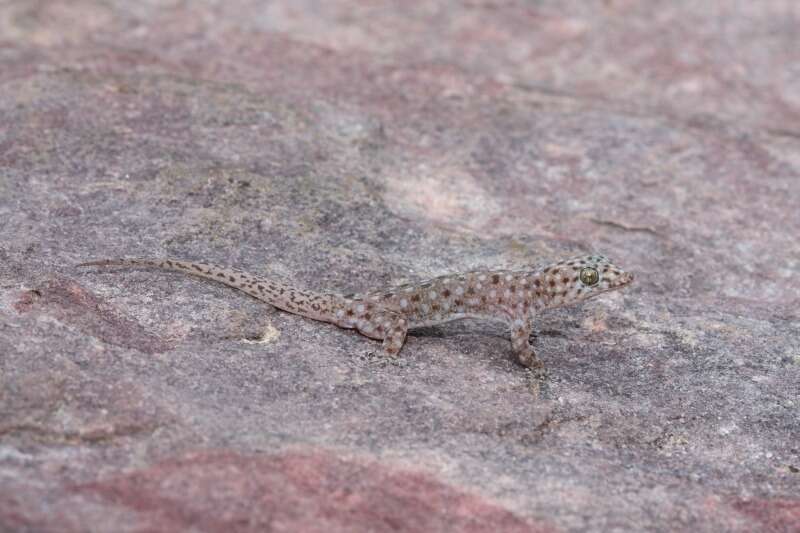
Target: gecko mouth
x: 626, y: 278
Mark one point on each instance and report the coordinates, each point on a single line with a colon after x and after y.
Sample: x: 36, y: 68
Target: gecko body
x: 512, y: 296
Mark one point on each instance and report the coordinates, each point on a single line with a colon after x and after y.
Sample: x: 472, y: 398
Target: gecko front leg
x: 521, y: 329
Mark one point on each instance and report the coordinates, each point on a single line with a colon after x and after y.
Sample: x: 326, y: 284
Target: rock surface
x: 348, y: 145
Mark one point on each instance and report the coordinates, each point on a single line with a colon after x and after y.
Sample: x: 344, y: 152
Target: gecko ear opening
x: 589, y: 276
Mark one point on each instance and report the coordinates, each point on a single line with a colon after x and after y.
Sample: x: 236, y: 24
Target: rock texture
x: 346, y: 145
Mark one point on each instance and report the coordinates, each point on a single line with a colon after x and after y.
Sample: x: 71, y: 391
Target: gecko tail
x: 116, y: 262
x: 318, y: 306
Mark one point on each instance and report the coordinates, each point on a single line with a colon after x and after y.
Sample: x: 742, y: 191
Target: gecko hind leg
x: 389, y: 327
x: 395, y: 331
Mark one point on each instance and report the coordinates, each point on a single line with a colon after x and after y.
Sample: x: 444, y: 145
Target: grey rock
x: 346, y: 146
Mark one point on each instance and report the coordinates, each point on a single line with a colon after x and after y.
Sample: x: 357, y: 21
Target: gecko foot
x: 539, y: 372
x: 527, y: 357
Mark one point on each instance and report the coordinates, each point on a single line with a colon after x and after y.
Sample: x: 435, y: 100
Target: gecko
x: 511, y: 296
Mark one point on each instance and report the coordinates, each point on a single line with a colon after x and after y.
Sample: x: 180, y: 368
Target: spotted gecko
x: 514, y: 297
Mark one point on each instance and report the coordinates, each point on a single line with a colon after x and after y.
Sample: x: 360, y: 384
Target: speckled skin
x: 514, y: 297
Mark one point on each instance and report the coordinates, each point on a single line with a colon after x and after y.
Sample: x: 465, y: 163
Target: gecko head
x: 582, y: 277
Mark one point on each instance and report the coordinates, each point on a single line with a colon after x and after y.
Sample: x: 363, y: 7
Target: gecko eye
x: 589, y: 276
